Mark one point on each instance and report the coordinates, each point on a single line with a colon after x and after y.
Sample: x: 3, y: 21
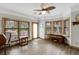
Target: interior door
x: 34, y: 30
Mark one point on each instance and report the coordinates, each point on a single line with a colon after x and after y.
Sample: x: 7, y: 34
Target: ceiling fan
x: 45, y: 8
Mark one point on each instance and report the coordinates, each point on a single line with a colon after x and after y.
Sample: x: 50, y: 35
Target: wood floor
x: 42, y: 47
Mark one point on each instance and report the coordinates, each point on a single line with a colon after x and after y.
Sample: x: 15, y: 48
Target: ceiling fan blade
x: 37, y: 10
x: 50, y: 8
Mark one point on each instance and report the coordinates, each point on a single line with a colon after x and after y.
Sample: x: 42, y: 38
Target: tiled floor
x: 42, y: 47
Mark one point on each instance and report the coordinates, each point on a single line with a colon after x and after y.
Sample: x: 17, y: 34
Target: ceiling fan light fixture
x: 43, y: 12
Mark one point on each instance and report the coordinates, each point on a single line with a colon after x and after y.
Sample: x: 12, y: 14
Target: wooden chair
x: 3, y: 43
x: 8, y: 36
x: 23, y: 40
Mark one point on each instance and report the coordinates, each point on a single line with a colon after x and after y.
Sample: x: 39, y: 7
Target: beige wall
x: 74, y: 28
x: 42, y: 29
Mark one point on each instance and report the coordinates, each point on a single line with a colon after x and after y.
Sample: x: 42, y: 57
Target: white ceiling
x: 26, y: 9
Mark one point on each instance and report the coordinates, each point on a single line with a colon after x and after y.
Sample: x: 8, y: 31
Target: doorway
x: 35, y: 30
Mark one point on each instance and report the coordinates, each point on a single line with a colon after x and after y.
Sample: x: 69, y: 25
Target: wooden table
x: 57, y: 38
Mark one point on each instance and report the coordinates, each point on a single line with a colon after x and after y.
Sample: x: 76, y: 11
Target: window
x: 16, y: 28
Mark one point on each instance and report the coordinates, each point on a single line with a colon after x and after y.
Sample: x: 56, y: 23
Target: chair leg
x: 0, y: 52
x: 4, y: 49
